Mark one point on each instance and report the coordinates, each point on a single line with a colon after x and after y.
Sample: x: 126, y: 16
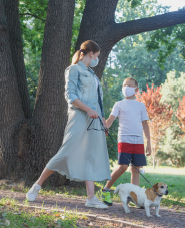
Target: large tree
x: 27, y: 140
x: 39, y: 137
x: 98, y: 23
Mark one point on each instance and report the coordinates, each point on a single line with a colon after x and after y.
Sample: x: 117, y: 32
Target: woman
x: 83, y: 155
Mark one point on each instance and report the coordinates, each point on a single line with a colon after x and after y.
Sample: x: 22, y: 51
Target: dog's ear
x: 155, y: 186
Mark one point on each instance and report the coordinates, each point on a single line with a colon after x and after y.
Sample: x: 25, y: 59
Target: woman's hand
x: 105, y: 126
x: 92, y: 113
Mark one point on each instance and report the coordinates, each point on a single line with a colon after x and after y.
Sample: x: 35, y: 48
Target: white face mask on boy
x: 128, y: 91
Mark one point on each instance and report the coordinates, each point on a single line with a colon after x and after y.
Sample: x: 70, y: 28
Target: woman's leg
x: 93, y: 202
x: 135, y: 175
x: 90, y: 189
x: 116, y: 174
x: 44, y: 175
x: 34, y: 190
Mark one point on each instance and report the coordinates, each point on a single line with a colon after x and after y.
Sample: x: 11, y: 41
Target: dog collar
x: 157, y: 193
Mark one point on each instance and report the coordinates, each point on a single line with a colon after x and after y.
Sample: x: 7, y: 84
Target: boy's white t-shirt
x: 131, y: 113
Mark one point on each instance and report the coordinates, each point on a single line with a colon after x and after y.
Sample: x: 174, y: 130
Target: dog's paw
x: 158, y: 216
x: 127, y: 211
x: 149, y: 216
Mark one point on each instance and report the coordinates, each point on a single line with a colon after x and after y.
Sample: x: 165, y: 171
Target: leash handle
x: 101, y: 124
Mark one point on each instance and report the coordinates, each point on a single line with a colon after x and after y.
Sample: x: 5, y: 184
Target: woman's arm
x: 71, y: 76
x: 71, y: 80
x: 110, y: 120
x: 147, y: 134
x: 90, y: 112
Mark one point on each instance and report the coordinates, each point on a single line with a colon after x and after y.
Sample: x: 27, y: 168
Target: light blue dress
x: 83, y: 154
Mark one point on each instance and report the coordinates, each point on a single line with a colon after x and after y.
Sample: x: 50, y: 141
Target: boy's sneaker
x: 94, y: 202
x: 33, y: 192
x: 106, y: 197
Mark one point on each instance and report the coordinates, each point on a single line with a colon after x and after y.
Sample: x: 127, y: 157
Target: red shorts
x: 134, y: 153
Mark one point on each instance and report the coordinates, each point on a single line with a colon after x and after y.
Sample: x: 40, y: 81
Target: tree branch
x: 29, y: 14
x: 121, y: 30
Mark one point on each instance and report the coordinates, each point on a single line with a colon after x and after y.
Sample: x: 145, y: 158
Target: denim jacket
x: 80, y: 84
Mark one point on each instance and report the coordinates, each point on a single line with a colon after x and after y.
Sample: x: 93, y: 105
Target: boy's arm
x: 147, y: 134
x: 105, y: 126
x: 110, y: 120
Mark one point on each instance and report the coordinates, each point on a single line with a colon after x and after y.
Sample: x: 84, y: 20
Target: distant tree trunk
x: 11, y: 113
x: 12, y: 18
x: 98, y: 24
x: 50, y: 114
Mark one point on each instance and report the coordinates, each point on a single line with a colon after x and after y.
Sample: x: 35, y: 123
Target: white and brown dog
x: 150, y: 197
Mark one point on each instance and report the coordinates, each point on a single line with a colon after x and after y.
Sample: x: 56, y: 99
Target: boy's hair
x: 133, y: 79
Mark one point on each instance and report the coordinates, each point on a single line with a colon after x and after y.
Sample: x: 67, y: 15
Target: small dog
x: 150, y: 197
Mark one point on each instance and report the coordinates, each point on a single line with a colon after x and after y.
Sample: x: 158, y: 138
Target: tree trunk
x: 97, y: 20
x: 50, y: 114
x: 12, y: 18
x: 154, y: 161
x: 11, y: 113
x: 98, y: 24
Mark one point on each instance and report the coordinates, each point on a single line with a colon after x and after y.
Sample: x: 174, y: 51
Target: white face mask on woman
x: 94, y: 62
x: 128, y: 91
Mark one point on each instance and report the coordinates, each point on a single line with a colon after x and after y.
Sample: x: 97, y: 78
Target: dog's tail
x: 117, y: 188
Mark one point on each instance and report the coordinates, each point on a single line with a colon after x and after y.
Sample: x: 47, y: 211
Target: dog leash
x: 106, y: 131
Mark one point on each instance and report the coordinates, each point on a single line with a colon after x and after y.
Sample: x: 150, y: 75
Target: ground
x: 98, y: 217
x: 64, y: 206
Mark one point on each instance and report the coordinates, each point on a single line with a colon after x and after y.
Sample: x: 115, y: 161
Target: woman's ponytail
x: 76, y: 57
x: 85, y: 48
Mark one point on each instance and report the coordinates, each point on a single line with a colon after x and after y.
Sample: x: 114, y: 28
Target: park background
x: 153, y: 58
x: 33, y: 60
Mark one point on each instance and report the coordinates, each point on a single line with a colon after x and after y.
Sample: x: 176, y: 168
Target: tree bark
x: 11, y: 113
x: 97, y: 21
x: 98, y: 24
x: 50, y: 113
x: 12, y: 18
x: 121, y: 30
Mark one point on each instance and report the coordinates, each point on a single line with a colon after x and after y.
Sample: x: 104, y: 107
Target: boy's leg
x: 116, y: 174
x: 138, y: 159
x: 135, y: 177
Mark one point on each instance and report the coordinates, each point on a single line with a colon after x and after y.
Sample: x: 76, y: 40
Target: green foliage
x: 172, y: 89
x: 171, y: 38
x: 135, y: 3
x: 172, y: 147
x: 79, y: 8
x: 125, y: 11
x: 32, y: 19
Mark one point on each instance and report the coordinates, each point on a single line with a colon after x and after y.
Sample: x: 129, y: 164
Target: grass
x: 16, y: 216
x: 173, y: 177
x: 12, y: 215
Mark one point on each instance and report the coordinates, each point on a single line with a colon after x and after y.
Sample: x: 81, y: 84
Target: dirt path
x: 170, y: 218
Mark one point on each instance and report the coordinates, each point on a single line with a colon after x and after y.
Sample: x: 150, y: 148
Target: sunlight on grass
x: 17, y: 216
x: 165, y: 170
x: 173, y: 177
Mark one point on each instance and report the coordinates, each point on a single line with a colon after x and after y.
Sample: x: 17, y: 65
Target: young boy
x: 132, y: 121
